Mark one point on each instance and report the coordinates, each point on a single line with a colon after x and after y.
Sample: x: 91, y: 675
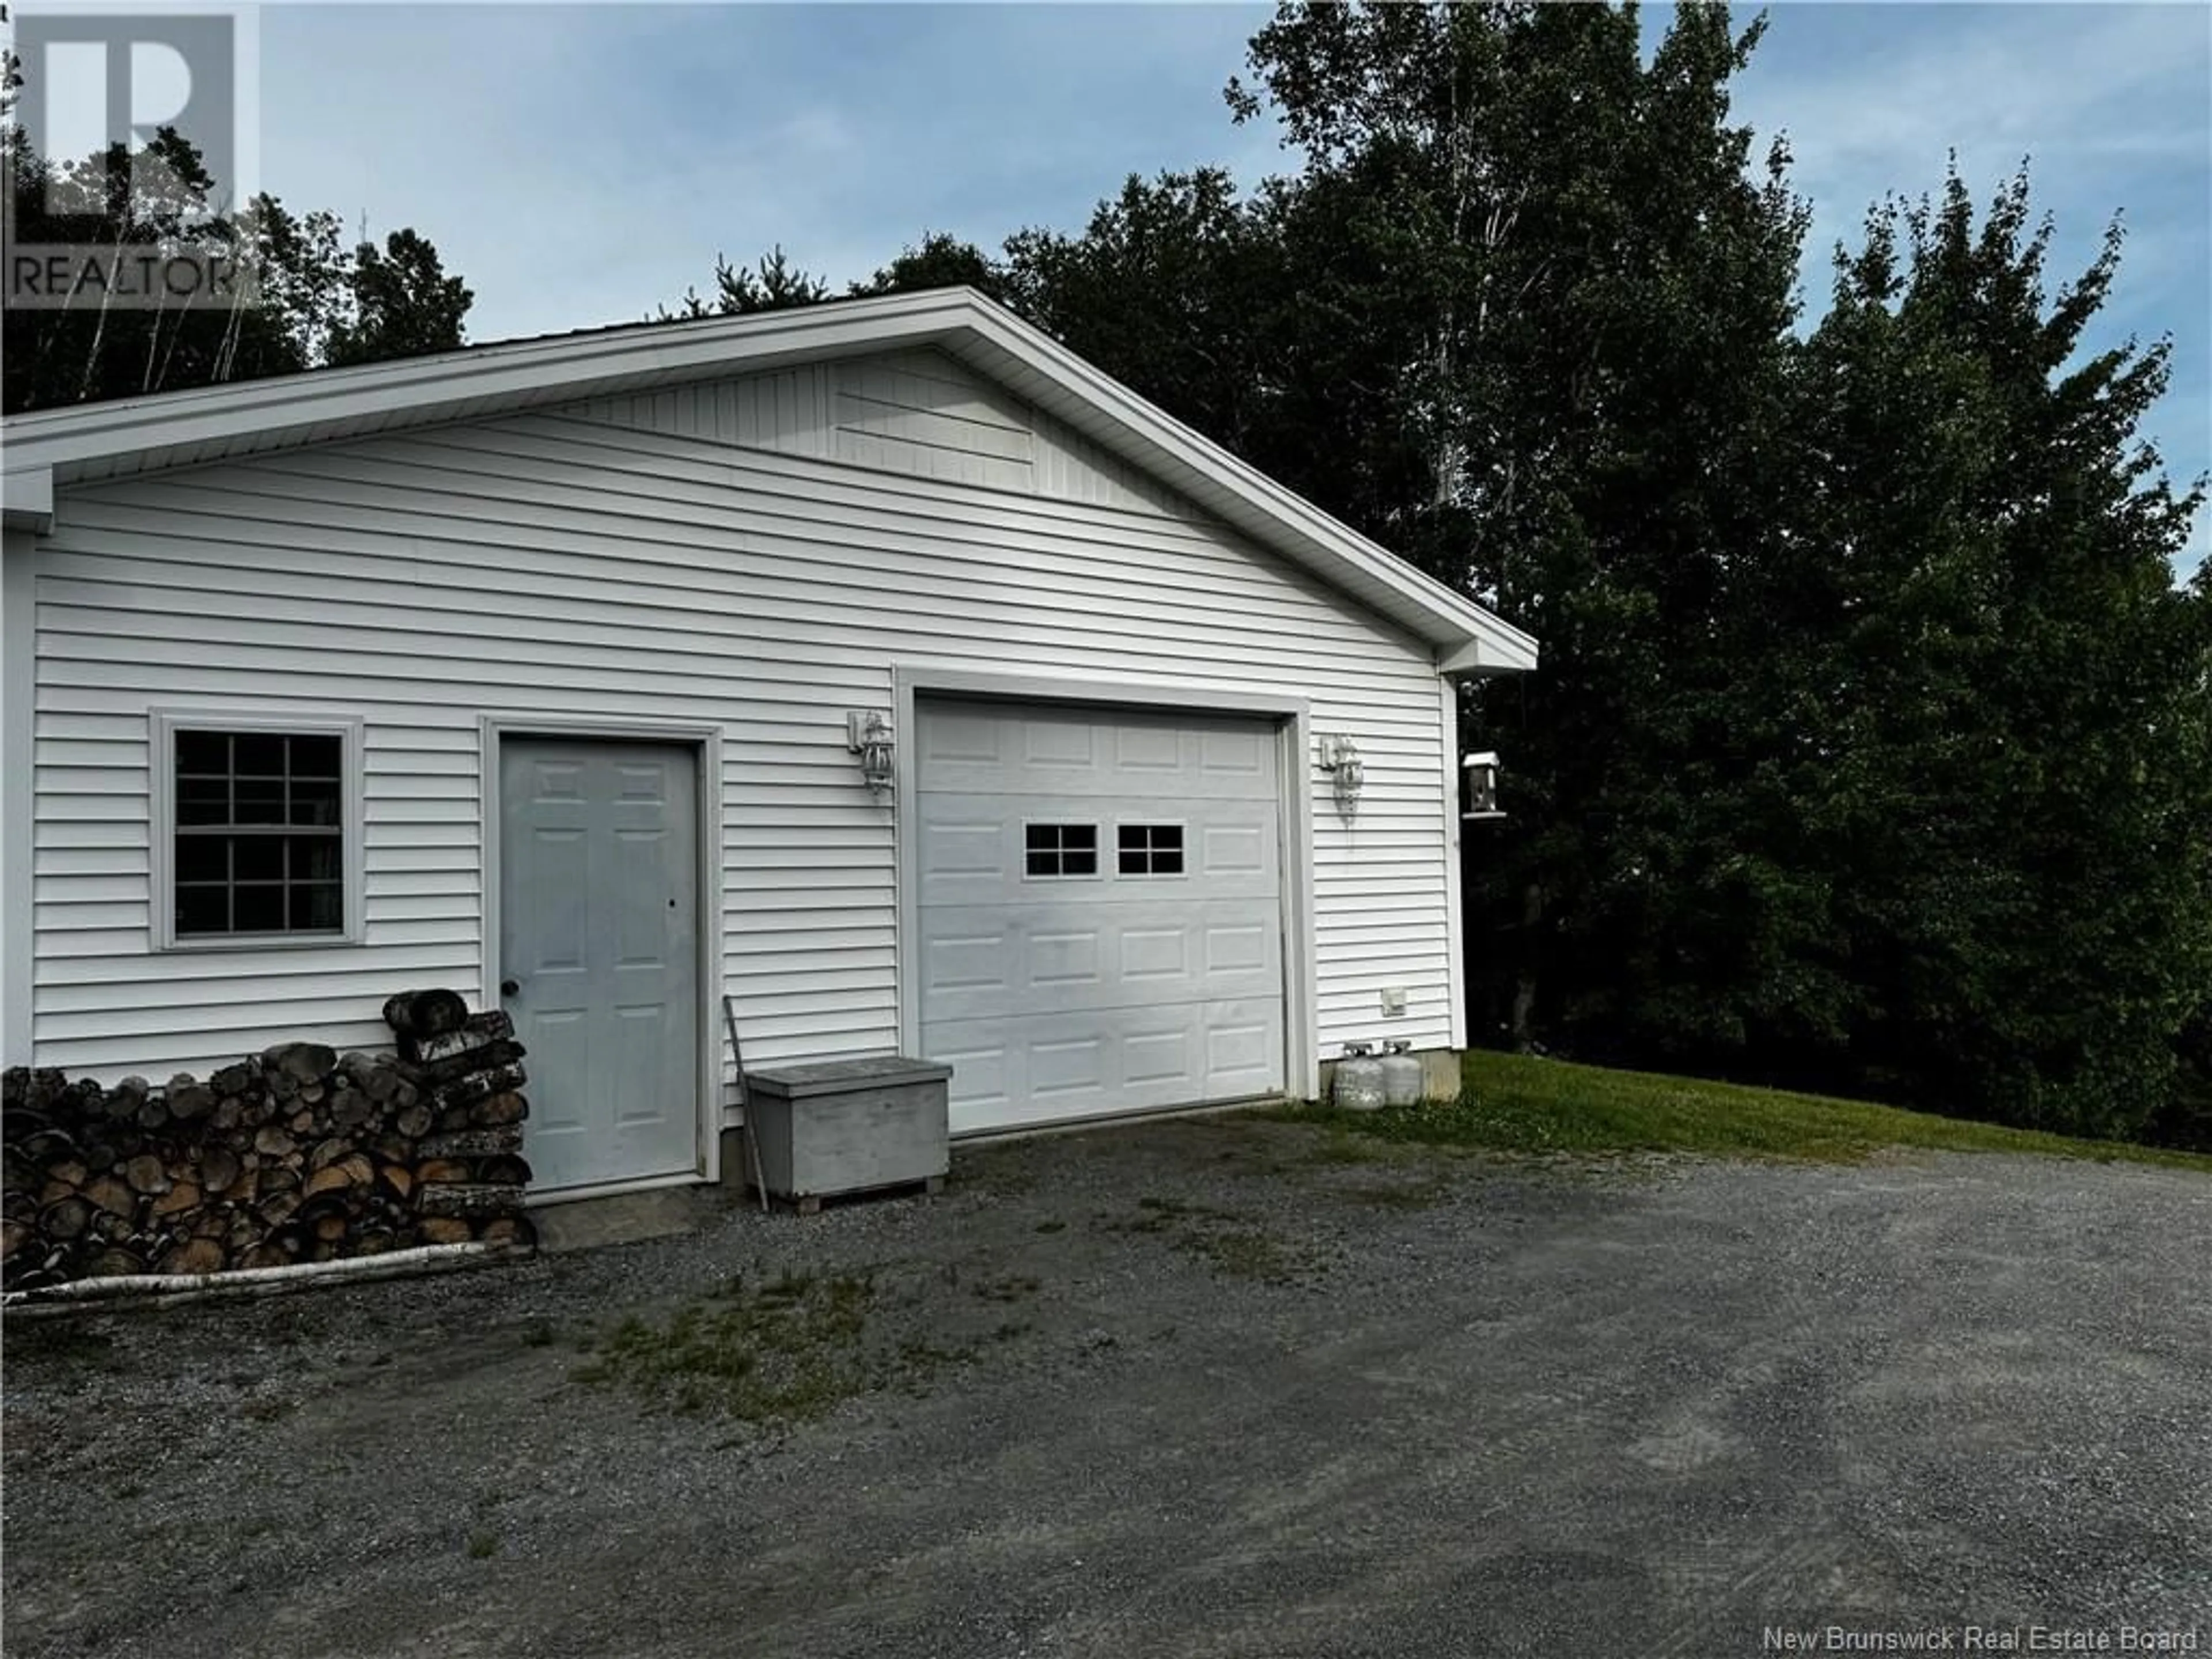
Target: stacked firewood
x: 300, y: 1154
x: 466, y: 1071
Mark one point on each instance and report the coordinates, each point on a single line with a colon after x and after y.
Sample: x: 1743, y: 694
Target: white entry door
x: 599, y: 899
x: 1101, y: 909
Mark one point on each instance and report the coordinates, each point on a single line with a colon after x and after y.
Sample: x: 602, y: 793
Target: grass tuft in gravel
x: 784, y: 1350
x: 1520, y: 1104
x: 1232, y: 1243
x: 781, y: 1349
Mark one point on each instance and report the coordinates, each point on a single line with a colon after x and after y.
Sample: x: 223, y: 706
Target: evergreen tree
x: 2001, y: 699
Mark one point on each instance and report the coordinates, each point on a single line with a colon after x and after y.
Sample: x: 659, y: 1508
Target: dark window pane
x: 314, y: 858
x: 258, y: 858
x: 1061, y: 849
x: 257, y: 800
x: 1150, y: 849
x: 315, y: 800
x: 258, y: 910
x: 203, y: 751
x: 317, y: 907
x: 316, y: 755
x: 203, y: 909
x: 203, y: 800
x: 259, y: 754
x: 249, y: 883
x: 203, y: 858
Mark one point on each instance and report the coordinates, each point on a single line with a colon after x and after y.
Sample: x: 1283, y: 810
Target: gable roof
x: 54, y: 447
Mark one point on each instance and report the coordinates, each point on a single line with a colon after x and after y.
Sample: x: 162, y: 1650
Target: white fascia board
x: 1480, y: 656
x: 27, y: 499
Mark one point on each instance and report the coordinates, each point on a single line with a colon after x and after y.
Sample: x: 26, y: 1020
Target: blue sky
x: 582, y: 164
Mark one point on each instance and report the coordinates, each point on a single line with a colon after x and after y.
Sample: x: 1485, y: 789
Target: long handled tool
x: 745, y: 1100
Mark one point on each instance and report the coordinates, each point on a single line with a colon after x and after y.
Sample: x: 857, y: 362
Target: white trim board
x: 1455, y: 911
x: 705, y: 741
x: 18, y: 702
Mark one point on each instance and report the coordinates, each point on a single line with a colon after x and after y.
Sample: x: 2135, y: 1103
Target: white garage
x: 875, y: 678
x: 1102, y: 908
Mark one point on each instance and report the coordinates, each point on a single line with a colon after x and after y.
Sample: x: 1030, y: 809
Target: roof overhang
x: 50, y: 449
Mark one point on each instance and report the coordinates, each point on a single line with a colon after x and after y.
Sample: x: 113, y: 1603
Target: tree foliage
x: 320, y: 302
x: 772, y: 283
x: 1999, y: 699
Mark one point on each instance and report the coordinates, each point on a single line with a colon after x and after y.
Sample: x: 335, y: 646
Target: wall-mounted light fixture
x: 868, y: 734
x: 1340, y: 758
x: 1480, y: 772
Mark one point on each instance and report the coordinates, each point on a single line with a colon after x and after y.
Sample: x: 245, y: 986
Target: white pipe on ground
x: 248, y: 1281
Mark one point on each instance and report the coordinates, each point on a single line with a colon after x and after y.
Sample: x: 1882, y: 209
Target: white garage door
x: 1101, y: 910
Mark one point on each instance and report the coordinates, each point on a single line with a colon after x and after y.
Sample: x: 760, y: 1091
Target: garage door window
x: 1055, y: 850
x: 1149, y: 849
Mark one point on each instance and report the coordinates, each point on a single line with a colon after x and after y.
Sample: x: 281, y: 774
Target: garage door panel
x: 1099, y: 899
x: 1040, y: 751
x: 1094, y: 958
x: 1032, y: 1069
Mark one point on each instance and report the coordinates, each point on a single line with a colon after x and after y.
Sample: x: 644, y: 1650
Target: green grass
x: 1518, y: 1104
x: 781, y: 1349
x: 785, y: 1349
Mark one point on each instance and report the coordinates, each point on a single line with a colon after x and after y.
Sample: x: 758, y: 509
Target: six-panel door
x: 598, y: 936
x: 1101, y: 909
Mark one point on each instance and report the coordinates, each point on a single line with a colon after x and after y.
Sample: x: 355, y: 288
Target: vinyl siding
x: 726, y: 555
x: 917, y: 412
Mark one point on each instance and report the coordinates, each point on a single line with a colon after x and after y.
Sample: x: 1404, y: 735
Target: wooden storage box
x: 848, y: 1126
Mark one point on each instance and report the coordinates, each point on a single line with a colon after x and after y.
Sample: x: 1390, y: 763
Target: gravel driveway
x: 1216, y: 1386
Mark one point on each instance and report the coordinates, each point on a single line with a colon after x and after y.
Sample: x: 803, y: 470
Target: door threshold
x: 613, y: 1188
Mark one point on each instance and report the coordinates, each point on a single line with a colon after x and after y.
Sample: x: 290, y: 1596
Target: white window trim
x: 163, y: 725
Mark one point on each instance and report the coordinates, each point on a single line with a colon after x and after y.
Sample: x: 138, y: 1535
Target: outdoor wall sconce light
x: 868, y: 734
x: 1481, y: 774
x: 1339, y: 758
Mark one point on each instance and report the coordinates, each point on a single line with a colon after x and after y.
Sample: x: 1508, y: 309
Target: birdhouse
x: 1480, y: 794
